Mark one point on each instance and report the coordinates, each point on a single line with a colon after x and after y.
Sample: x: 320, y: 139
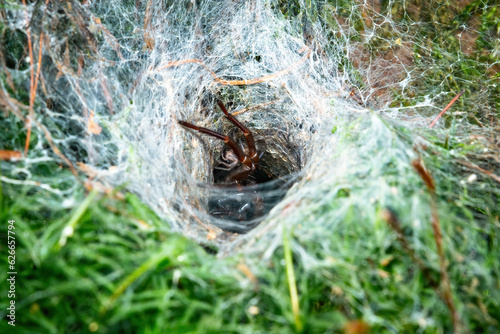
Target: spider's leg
x: 225, y: 166
x: 252, y: 151
x: 229, y: 142
x: 240, y: 174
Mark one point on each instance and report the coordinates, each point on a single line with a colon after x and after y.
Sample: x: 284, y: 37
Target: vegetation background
x: 91, y: 259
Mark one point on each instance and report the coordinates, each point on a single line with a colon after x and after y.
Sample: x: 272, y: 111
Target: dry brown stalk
x: 107, y: 96
x: 426, y: 177
x: 110, y: 38
x: 150, y: 42
x: 55, y: 149
x: 223, y: 82
x: 14, y: 107
x: 81, y: 23
x: 482, y: 170
x: 438, y: 237
x: 32, y: 74
x: 10, y: 155
x: 446, y: 108
x: 33, y: 79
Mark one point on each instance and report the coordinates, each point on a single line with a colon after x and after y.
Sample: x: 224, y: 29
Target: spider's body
x: 240, y: 165
x: 245, y: 192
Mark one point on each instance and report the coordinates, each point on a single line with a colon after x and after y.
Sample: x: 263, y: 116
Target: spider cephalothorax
x: 240, y: 165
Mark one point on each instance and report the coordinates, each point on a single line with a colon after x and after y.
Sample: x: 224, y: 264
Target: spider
x: 239, y: 164
x: 249, y: 183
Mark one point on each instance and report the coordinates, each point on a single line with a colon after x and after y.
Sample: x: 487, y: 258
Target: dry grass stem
x: 438, y: 237
x: 10, y: 155
x: 482, y: 170
x: 237, y: 82
x: 446, y: 108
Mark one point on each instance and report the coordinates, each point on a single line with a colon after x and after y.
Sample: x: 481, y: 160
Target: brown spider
x: 239, y: 164
x: 249, y: 184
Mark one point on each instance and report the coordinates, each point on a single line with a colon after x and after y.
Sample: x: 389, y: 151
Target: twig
x: 82, y: 23
x: 477, y: 120
x: 56, y: 150
x: 10, y: 155
x: 32, y: 74
x: 13, y: 104
x: 150, y: 42
x: 471, y: 165
x: 438, y: 237
x: 237, y: 82
x: 109, y: 37
x: 107, y: 96
x: 33, y: 79
x: 446, y: 108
